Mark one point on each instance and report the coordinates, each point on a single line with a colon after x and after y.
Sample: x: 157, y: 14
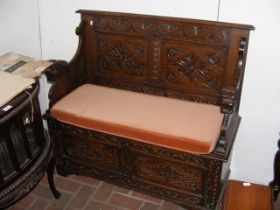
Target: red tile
x: 26, y: 201
x: 59, y: 204
x: 170, y: 206
x: 122, y: 190
x: 146, y: 197
x: 104, y: 191
x: 44, y: 179
x: 81, y: 198
x: 86, y: 180
x: 78, y: 194
x: 15, y: 207
x: 67, y: 184
x: 150, y: 206
x: 125, y: 201
x: 95, y: 205
x: 39, y: 204
x: 42, y: 191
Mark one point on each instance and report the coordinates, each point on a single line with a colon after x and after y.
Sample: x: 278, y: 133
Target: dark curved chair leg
x: 275, y: 183
x: 50, y: 173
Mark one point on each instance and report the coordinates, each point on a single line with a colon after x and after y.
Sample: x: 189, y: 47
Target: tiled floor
x: 82, y: 193
x: 79, y: 192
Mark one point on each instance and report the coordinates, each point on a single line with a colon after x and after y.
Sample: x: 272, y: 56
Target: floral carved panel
x: 97, y: 154
x: 118, y: 56
x: 193, y: 66
x: 170, y: 173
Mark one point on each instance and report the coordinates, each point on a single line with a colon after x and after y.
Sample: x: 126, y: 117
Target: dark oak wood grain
x: 193, y: 60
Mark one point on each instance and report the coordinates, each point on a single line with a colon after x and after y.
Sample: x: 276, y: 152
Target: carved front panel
x: 169, y: 173
x: 193, y: 66
x: 96, y: 154
x: 122, y: 57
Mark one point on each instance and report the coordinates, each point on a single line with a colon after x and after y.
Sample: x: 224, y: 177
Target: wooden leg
x: 275, y: 183
x: 50, y: 172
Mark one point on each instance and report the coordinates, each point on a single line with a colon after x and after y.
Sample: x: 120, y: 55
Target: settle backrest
x: 201, y: 61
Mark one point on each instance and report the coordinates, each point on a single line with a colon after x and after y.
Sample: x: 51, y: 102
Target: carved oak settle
x: 193, y: 60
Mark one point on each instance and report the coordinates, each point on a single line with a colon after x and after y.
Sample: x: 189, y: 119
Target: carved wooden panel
x: 154, y: 70
x: 169, y: 173
x: 149, y: 89
x: 132, y: 50
x: 185, y: 178
x: 165, y: 29
x: 213, y: 181
x: 92, y: 152
x: 122, y: 57
x: 165, y: 153
x: 197, y: 32
x: 193, y: 66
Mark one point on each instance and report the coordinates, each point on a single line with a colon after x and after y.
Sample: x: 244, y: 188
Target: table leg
x: 50, y: 173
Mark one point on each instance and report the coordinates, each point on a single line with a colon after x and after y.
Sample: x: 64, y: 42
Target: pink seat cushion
x: 172, y: 123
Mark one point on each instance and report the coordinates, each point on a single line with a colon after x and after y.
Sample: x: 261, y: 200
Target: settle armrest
x: 230, y: 124
x: 56, y: 74
x: 55, y: 70
x: 64, y: 78
x: 229, y: 129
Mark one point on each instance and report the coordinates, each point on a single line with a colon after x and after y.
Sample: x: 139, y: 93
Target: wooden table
x: 25, y: 152
x: 247, y: 196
